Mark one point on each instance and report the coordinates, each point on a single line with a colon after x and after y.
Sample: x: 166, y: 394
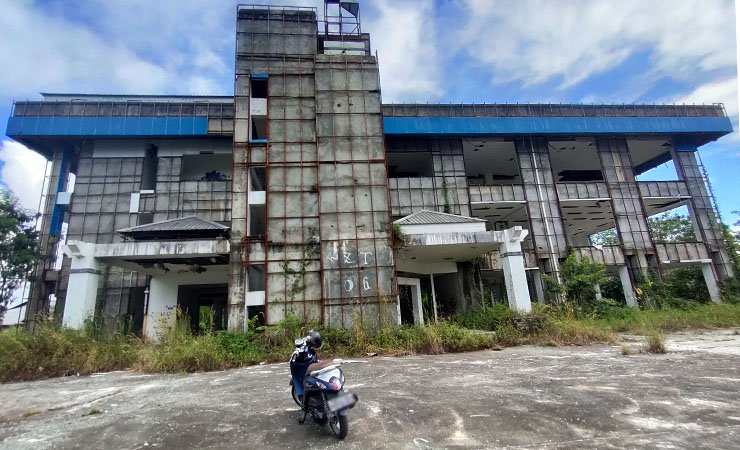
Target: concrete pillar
x: 515, y: 277
x: 162, y: 309
x: 710, y: 279
x: 543, y: 207
x: 629, y: 291
x: 82, y: 288
x: 701, y: 209
x: 626, y: 201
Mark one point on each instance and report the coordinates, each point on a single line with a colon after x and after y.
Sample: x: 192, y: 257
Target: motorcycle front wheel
x: 296, y: 399
x: 339, y: 425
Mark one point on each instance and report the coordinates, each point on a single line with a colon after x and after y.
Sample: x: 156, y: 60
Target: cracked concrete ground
x: 524, y: 397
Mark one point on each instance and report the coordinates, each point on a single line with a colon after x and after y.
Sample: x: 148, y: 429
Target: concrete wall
x: 357, y: 260
x: 283, y: 50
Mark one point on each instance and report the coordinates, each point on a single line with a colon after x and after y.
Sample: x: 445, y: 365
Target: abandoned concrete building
x: 304, y: 194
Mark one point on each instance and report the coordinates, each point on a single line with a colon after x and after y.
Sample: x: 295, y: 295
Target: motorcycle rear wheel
x: 339, y: 425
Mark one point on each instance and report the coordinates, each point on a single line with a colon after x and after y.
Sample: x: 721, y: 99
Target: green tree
x: 671, y: 228
x: 18, y: 247
x: 666, y: 228
x: 579, y: 279
x: 606, y: 237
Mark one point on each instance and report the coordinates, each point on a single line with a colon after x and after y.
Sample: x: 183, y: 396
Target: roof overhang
x: 158, y: 257
x: 439, y: 252
x: 698, y: 130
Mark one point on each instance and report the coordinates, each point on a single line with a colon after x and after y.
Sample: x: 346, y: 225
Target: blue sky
x: 430, y: 51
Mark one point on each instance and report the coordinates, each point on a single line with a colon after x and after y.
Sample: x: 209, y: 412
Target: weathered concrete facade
x: 293, y: 184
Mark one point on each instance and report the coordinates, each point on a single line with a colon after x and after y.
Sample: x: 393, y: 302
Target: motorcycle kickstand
x: 303, y: 420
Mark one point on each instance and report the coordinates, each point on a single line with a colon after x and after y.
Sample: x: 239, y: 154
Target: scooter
x: 318, y: 387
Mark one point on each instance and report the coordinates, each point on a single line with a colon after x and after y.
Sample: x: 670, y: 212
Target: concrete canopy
x: 448, y: 247
x: 159, y: 257
x: 436, y: 246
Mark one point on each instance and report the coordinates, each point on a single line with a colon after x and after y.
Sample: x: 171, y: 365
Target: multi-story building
x: 292, y: 195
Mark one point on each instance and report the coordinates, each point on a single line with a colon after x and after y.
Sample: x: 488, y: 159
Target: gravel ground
x: 523, y: 397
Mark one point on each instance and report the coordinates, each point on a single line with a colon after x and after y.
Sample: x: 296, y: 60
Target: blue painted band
x: 57, y: 213
x: 470, y: 126
x: 107, y: 126
x: 684, y: 147
x: 258, y: 141
x: 258, y: 75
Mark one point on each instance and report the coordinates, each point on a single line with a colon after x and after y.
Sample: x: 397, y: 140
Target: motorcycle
x: 318, y: 386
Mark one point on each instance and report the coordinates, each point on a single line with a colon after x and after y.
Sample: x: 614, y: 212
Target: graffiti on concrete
x: 351, y: 268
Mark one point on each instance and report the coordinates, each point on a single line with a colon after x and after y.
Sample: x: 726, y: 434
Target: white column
x: 711, y: 281
x: 597, y: 292
x: 162, y: 307
x: 512, y: 260
x: 629, y: 291
x: 82, y: 288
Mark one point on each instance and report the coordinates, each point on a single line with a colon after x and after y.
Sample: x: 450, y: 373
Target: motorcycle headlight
x: 335, y: 383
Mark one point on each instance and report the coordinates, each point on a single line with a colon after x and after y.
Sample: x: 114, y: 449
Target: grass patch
x: 92, y: 412
x: 563, y: 330
x: 655, y: 342
x: 58, y: 352
x: 666, y: 320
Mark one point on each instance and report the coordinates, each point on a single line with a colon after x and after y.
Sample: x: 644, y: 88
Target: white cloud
x: 535, y: 41
x: 404, y: 34
x: 22, y: 172
x: 117, y: 46
x: 722, y: 91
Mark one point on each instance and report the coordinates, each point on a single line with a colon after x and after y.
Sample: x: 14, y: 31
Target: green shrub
x: 184, y: 353
x: 508, y: 336
x: 240, y: 348
x: 578, y: 280
x: 488, y: 318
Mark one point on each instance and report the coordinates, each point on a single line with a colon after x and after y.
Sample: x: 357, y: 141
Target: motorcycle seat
x: 315, y: 367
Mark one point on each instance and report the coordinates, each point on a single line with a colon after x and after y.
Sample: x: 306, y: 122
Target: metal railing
x: 130, y: 108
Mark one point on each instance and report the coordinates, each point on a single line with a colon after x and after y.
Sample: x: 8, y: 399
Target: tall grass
x: 52, y: 352
x: 58, y: 352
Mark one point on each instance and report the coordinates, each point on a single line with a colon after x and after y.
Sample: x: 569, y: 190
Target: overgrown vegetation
x: 55, y: 352
x: 579, y: 280
x: 59, y: 352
